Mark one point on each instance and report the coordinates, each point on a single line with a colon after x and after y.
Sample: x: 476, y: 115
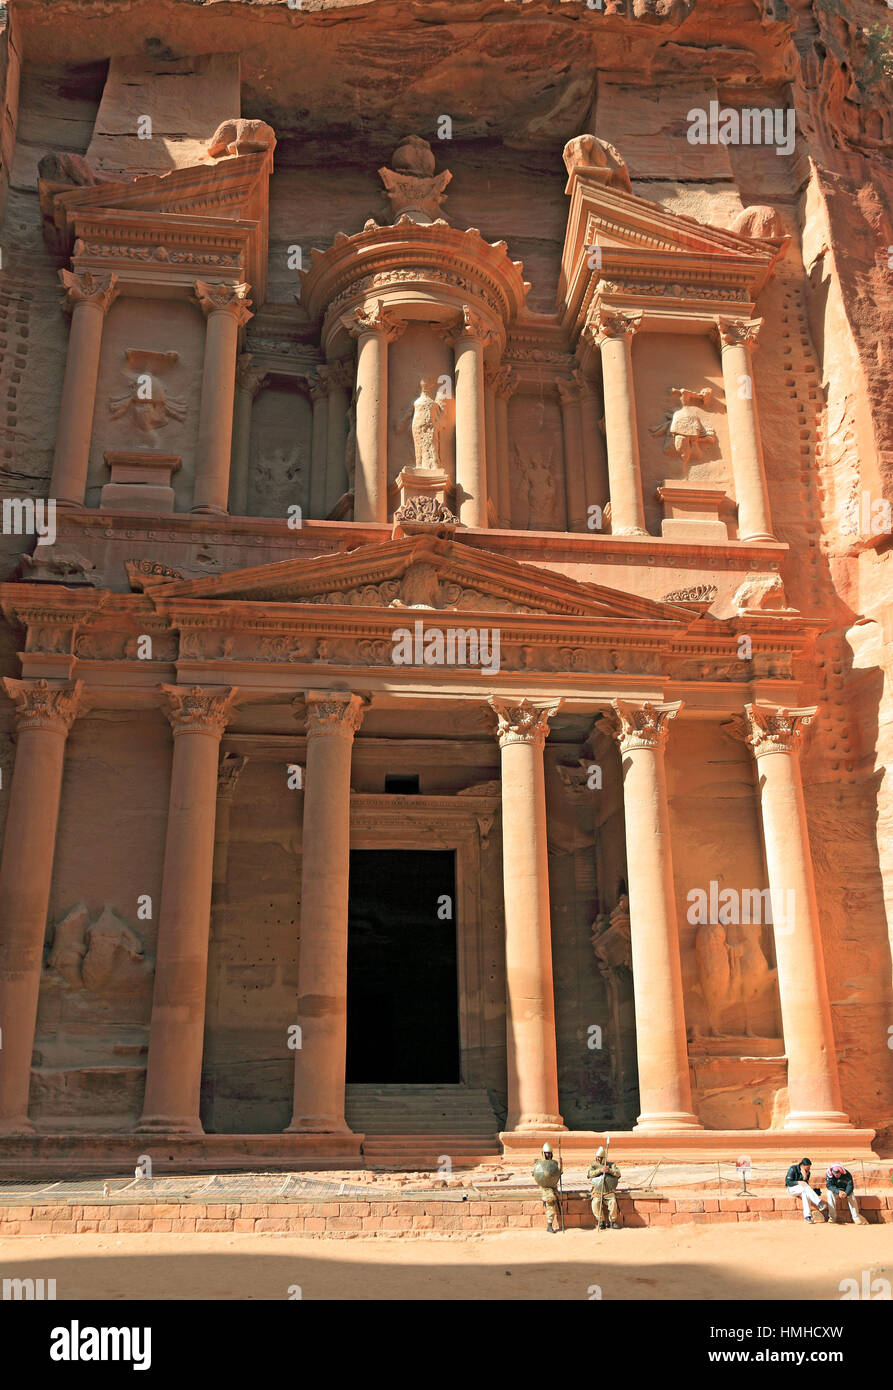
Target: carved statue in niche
x: 147, y: 400
x: 427, y: 415
x: 540, y: 489
x: 684, y: 428
x: 732, y: 973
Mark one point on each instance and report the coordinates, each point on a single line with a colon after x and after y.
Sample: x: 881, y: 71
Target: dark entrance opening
x: 402, y: 968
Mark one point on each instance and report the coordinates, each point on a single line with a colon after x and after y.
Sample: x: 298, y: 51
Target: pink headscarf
x: 835, y: 1168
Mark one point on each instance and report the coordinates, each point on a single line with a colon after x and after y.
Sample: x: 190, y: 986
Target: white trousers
x: 835, y: 1197
x: 803, y: 1189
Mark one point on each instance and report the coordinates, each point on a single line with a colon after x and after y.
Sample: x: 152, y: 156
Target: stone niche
x: 421, y: 352
x: 279, y: 465
x: 682, y: 438
x: 148, y: 390
x: 536, y: 462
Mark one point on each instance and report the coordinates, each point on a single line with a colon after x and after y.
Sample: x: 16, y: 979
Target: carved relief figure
x: 427, y: 415
x: 540, y: 489
x: 731, y: 972
x: 147, y: 400
x: 684, y: 428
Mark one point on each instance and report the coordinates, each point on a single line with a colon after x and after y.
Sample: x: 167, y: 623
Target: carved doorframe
x: 458, y: 823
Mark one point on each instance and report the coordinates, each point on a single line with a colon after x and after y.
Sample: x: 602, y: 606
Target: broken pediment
x: 421, y: 572
x: 208, y: 218
x: 621, y: 246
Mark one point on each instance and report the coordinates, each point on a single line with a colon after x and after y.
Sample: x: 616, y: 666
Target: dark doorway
x: 402, y: 983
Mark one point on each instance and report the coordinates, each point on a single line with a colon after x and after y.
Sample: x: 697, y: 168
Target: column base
x: 810, y: 1120
x: 668, y: 1121
x: 208, y: 511
x: 16, y: 1124
x: 318, y: 1124
x: 532, y: 1124
x: 760, y: 537
x: 164, y: 1124
x: 629, y: 531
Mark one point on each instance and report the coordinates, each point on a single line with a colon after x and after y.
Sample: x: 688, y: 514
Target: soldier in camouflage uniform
x: 547, y: 1175
x: 604, y: 1177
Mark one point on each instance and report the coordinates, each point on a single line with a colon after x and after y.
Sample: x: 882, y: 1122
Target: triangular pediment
x: 419, y: 573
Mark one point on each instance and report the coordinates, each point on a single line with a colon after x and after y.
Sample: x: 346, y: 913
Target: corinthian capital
x: 333, y: 713
x: 373, y: 317
x: 737, y: 332
x: 526, y: 722
x: 194, y: 710
x: 248, y: 377
x: 471, y: 325
x: 229, y: 299
x: 639, y: 725
x: 339, y: 375
x: 773, y: 728
x: 44, y: 704
x: 506, y: 383
x: 100, y: 291
x: 611, y: 323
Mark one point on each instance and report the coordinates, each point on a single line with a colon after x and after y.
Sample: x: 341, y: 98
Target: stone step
x: 420, y: 1110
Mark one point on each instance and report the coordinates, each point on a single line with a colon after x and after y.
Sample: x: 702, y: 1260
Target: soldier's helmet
x: 600, y: 1152
x: 547, y: 1151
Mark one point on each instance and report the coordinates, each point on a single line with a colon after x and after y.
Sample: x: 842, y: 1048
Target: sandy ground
x: 778, y: 1260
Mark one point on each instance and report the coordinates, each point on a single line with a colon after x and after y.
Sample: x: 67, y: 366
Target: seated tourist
x: 839, y: 1183
x: 798, y: 1184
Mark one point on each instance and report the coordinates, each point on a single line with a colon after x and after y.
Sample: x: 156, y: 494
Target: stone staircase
x: 415, y: 1126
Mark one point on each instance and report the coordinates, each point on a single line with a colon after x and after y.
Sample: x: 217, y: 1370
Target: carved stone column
x: 530, y: 1002
x: 229, y: 771
x: 339, y: 380
x: 574, y: 479
x: 198, y: 717
x: 469, y: 341
x: 226, y: 309
x: 333, y: 718
x: 774, y: 735
x: 595, y: 460
x: 89, y: 297
x: 491, y: 378
x: 506, y: 385
x: 374, y: 327
x: 737, y: 339
x: 614, y: 334
x: 45, y: 711
x: 249, y: 381
x: 664, y: 1085
x: 319, y: 398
